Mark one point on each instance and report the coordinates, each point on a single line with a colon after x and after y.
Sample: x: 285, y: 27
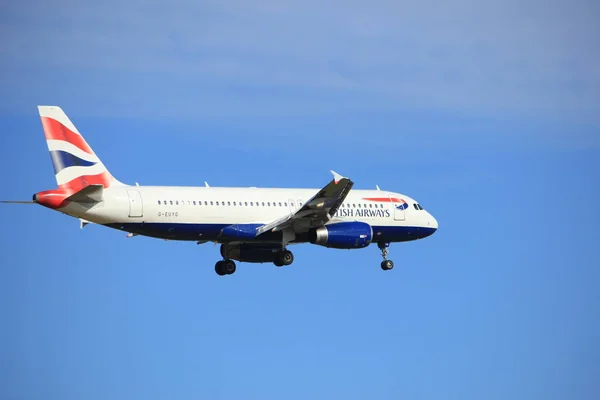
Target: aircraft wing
x: 317, y: 210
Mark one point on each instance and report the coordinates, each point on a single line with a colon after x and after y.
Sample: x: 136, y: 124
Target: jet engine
x: 342, y: 235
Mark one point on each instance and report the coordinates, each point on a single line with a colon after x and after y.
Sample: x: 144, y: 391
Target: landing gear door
x: 136, y: 208
x: 399, y: 206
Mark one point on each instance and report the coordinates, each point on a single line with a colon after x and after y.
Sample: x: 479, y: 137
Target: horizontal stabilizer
x: 89, y: 194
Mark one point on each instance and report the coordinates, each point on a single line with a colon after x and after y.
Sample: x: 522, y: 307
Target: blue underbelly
x: 197, y: 232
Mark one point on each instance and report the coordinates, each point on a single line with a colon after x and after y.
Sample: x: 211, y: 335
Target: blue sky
x: 487, y: 113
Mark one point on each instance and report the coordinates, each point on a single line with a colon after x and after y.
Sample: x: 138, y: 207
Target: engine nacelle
x: 342, y: 235
x: 251, y: 253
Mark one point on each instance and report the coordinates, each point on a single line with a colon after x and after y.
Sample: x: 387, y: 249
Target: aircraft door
x: 294, y: 205
x: 136, y: 208
x: 399, y: 208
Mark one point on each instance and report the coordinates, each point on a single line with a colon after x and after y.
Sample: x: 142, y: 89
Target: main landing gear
x: 225, y: 267
x: 284, y: 257
x: 386, y: 264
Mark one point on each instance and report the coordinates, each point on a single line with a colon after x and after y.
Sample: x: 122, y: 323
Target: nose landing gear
x: 386, y: 264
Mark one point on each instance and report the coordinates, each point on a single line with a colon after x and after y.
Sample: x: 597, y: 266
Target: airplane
x: 251, y: 224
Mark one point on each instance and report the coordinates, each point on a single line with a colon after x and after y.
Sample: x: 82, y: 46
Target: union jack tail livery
x: 75, y: 163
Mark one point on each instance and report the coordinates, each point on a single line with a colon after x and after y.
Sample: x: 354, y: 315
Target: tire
x: 219, y: 268
x: 287, y: 257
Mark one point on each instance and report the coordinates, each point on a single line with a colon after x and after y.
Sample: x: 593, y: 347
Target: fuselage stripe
x: 384, y: 199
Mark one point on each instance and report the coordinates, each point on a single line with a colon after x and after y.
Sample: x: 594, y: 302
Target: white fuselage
x: 198, y: 213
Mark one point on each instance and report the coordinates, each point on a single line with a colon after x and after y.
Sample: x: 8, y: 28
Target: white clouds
x: 538, y: 59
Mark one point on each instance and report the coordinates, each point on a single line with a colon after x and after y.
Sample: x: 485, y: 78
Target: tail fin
x: 75, y: 163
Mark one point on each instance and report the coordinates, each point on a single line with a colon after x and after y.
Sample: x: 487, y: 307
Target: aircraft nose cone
x: 434, y: 223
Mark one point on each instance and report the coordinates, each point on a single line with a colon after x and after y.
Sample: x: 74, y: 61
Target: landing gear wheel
x: 229, y: 267
x: 225, y: 267
x: 286, y: 257
x: 278, y: 263
x: 386, y: 265
x: 219, y: 268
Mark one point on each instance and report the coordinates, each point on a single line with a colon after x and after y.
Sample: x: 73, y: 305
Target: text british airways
x: 359, y: 212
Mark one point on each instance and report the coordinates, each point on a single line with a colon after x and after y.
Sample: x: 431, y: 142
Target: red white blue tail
x: 75, y: 163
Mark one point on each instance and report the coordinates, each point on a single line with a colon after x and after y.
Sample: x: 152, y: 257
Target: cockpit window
x: 415, y: 205
x: 420, y: 208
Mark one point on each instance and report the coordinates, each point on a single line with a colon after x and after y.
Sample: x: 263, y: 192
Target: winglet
x: 336, y: 177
